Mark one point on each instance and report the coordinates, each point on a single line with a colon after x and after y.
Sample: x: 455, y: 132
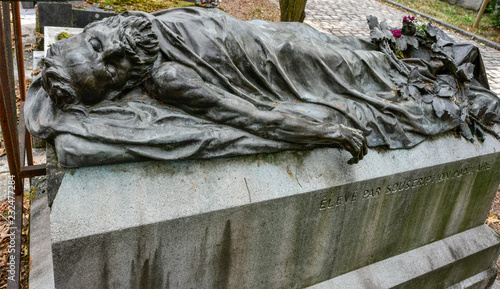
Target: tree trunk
x: 292, y: 10
x: 480, y: 14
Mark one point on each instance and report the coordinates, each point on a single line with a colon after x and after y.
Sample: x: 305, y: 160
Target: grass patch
x: 139, y: 5
x: 457, y: 16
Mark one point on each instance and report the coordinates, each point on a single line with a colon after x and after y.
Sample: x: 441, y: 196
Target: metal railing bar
x: 15, y: 283
x: 33, y: 171
x: 16, y: 138
x: 19, y: 48
x: 25, y: 145
x: 22, y: 137
x: 28, y: 148
x: 8, y: 119
x: 8, y: 111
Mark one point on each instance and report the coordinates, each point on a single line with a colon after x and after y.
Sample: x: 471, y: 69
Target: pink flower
x: 396, y: 33
x: 408, y: 18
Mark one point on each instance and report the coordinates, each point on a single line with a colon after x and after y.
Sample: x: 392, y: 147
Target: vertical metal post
x: 25, y: 138
x: 8, y: 113
x: 16, y: 138
x: 16, y: 17
x: 8, y: 120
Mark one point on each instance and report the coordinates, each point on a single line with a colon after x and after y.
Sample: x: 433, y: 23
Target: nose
x: 114, y: 50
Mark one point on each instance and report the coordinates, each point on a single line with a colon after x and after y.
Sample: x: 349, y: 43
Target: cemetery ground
x: 241, y: 9
x: 245, y: 10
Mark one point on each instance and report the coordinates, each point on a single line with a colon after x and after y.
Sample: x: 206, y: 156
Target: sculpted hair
x: 55, y: 80
x: 138, y: 40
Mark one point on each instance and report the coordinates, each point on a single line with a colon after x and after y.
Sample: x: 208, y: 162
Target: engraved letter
x: 322, y: 206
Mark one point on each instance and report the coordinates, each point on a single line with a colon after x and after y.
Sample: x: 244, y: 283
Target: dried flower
x: 396, y: 33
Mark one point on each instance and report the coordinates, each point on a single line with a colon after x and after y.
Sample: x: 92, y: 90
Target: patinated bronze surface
x: 198, y: 83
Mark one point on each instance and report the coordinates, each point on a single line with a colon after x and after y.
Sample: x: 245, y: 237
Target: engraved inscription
x: 349, y: 198
x: 355, y: 196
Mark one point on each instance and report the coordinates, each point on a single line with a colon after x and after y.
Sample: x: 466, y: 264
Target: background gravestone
x: 64, y: 15
x: 54, y: 14
x: 467, y: 4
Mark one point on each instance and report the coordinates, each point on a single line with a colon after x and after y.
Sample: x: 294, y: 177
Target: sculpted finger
x: 355, y: 157
x: 359, y: 147
x: 355, y: 145
x: 358, y: 142
x: 361, y: 153
x: 352, y: 161
x: 363, y: 147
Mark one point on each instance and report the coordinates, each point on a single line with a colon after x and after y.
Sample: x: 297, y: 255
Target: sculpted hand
x: 357, y: 146
x: 353, y: 141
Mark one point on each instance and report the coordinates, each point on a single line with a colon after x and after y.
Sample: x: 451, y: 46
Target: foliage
x: 494, y: 9
x: 443, y: 84
x: 63, y: 35
x: 457, y: 16
x: 491, y: 6
x: 492, y: 219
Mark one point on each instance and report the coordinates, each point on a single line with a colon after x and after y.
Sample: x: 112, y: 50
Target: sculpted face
x: 96, y: 63
x: 110, y: 56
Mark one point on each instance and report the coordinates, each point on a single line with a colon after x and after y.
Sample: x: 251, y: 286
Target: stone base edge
x: 41, y: 265
x: 481, y: 280
x: 470, y: 255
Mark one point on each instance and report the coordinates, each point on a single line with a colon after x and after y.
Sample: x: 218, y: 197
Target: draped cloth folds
x: 288, y: 67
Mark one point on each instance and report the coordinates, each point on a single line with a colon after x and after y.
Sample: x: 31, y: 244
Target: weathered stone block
x: 431, y: 266
x: 287, y: 220
x: 467, y: 4
x: 50, y: 35
x: 64, y: 15
x: 54, y: 14
x: 28, y: 4
x: 83, y: 17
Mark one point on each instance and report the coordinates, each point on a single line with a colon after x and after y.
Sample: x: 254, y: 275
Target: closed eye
x: 96, y: 44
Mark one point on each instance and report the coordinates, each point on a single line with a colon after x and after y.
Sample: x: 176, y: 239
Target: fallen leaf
x: 492, y: 219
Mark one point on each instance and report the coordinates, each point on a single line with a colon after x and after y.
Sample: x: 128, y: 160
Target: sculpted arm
x: 181, y: 86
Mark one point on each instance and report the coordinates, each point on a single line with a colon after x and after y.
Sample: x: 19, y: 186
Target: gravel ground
x: 252, y: 9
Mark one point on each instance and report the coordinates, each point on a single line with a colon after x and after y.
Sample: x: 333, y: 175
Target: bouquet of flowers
x: 433, y: 69
x: 208, y: 3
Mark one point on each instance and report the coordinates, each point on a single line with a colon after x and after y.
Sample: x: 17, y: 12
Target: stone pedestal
x: 399, y: 219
